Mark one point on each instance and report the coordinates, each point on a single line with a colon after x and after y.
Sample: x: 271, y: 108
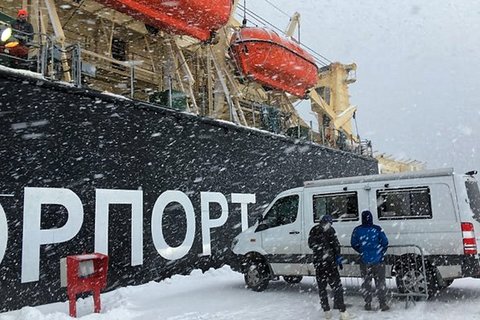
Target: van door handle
x: 294, y: 232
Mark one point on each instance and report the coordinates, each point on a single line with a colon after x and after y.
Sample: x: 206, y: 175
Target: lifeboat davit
x: 274, y: 61
x: 195, y: 18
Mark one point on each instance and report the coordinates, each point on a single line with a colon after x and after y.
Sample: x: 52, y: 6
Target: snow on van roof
x: 381, y: 177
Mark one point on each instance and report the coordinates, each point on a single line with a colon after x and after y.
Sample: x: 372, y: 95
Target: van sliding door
x: 343, y: 206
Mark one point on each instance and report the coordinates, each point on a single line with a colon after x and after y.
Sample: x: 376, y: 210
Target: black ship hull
x: 76, y: 166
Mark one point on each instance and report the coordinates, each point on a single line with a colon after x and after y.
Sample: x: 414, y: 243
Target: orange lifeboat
x: 274, y: 61
x: 195, y: 18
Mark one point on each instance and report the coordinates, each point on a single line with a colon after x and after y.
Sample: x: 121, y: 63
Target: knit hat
x: 327, y: 219
x: 22, y: 12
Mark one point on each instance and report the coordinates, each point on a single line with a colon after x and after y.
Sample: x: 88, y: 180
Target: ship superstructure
x: 195, y: 56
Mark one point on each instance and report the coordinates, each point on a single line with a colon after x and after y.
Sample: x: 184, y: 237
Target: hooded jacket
x: 369, y: 240
x: 324, y: 243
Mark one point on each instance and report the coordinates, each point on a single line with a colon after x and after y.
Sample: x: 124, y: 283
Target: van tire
x: 292, y: 279
x: 257, y: 275
x: 410, y: 277
x: 410, y: 280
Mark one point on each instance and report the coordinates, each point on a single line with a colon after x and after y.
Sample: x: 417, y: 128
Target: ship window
x: 119, y: 49
x: 341, y: 206
x: 405, y: 203
x: 284, y: 211
x: 119, y: 52
x: 324, y: 92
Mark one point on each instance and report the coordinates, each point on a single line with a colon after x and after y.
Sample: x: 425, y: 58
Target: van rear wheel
x: 411, y: 281
x: 410, y: 278
x: 257, y: 276
x: 292, y: 279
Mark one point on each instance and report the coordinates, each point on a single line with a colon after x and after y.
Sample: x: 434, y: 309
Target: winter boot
x: 384, y: 307
x: 368, y: 306
x: 345, y: 316
x: 328, y: 314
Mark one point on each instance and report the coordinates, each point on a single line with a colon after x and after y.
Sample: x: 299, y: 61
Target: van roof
x: 381, y: 177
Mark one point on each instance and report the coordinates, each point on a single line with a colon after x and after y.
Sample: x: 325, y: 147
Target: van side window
x: 473, y: 198
x: 404, y: 203
x: 284, y: 211
x: 341, y: 206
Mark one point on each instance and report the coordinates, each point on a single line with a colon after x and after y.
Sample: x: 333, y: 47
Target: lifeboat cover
x: 274, y: 61
x: 195, y: 18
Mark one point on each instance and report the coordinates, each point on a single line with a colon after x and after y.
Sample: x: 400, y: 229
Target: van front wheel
x: 257, y: 276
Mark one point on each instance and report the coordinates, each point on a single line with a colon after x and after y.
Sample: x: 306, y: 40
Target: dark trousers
x: 328, y: 275
x: 376, y: 272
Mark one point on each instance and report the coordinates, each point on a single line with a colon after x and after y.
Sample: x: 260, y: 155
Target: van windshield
x: 473, y: 198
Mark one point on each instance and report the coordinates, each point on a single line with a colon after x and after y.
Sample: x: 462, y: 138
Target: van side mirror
x: 261, y: 227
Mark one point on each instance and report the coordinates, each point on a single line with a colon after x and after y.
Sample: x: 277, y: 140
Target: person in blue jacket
x: 371, y: 242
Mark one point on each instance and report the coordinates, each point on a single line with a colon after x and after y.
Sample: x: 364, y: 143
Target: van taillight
x: 469, y: 241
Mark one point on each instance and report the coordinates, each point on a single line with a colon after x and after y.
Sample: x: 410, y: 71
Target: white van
x: 436, y: 210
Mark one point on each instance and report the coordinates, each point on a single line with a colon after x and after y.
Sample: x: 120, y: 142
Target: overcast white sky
x: 418, y: 87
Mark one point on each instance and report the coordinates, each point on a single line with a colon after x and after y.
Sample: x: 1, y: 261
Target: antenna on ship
x: 244, y: 21
x: 293, y: 25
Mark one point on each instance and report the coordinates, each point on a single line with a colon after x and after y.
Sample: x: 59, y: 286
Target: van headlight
x: 234, y: 242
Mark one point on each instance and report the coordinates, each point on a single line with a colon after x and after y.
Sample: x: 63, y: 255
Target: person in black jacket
x: 22, y: 29
x: 326, y: 255
x: 23, y: 33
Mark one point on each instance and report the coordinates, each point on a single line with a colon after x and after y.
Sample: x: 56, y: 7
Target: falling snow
x: 221, y: 294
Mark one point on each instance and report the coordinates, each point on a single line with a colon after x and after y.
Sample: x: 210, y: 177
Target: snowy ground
x: 220, y: 294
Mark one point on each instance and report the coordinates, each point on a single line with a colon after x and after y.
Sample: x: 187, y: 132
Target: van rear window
x: 473, y: 198
x: 405, y: 203
x: 341, y: 206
